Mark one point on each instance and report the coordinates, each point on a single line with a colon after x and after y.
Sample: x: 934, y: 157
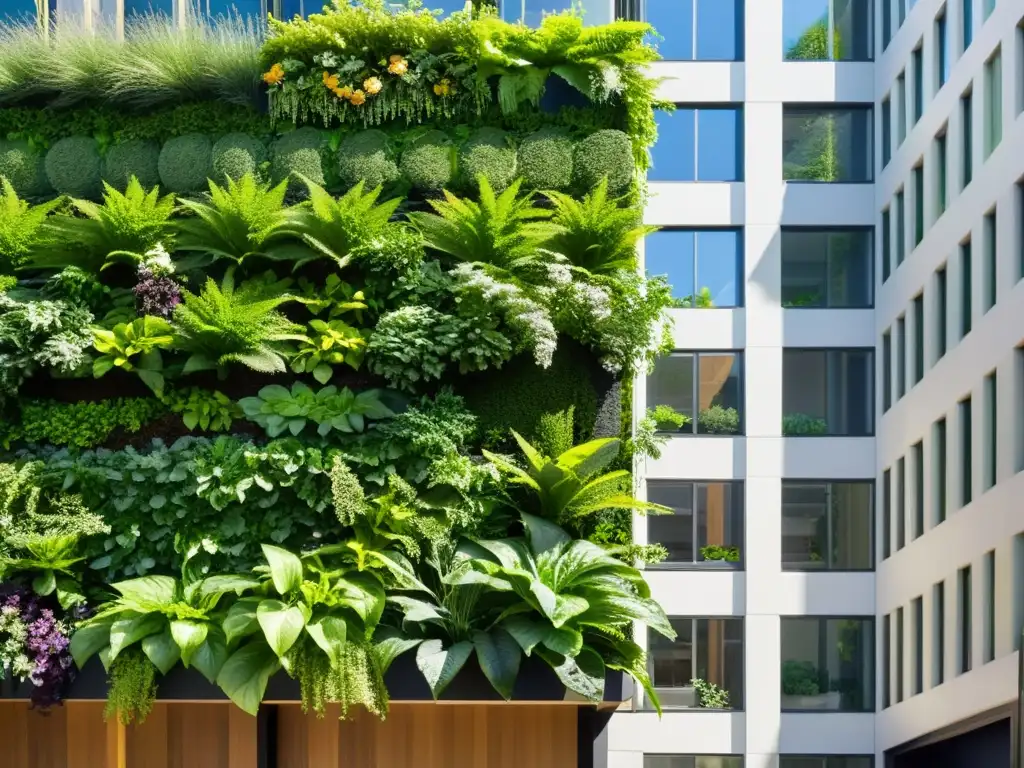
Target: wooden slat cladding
x: 430, y: 736
x: 72, y: 736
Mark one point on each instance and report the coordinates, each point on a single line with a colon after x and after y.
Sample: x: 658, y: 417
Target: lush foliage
x: 305, y: 392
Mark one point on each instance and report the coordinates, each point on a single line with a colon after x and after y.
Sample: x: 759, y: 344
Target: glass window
x: 987, y: 6
x: 886, y: 371
x: 826, y: 526
x: 827, y: 30
x: 966, y: 460
x: 886, y: 244
x: 711, y: 400
x: 917, y: 618
x: 942, y: 49
x: 18, y: 11
x: 693, y: 761
x: 251, y: 9
x: 942, y: 187
x: 938, y: 633
x: 964, y: 620
x: 827, y: 144
x: 989, y: 606
x: 886, y: 513
x: 966, y: 298
x: 941, y: 312
x: 704, y: 267
x: 698, y: 144
x: 531, y: 12
x: 990, y: 261
x: 901, y: 503
x: 918, y: 178
x: 967, y: 138
x: 886, y: 663
x: 917, y: 67
x: 918, y: 359
x: 825, y: 761
x: 993, y: 102
x: 702, y: 30
x: 917, y: 460
x: 827, y: 392
x: 940, y: 471
x: 991, y: 429
x: 966, y: 23
x: 886, y: 130
x: 704, y: 651
x: 706, y: 524
x: 828, y: 268
x: 828, y: 664
x: 886, y: 23
x: 901, y: 108
x: 901, y: 227
x: 899, y: 655
x: 901, y: 357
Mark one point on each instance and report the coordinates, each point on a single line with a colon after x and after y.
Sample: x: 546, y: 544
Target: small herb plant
x: 279, y: 410
x: 716, y: 552
x: 718, y: 420
x: 710, y: 695
x: 802, y: 424
x: 142, y: 339
x: 800, y: 678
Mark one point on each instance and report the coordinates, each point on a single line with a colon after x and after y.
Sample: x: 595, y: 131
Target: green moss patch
x: 366, y: 157
x: 488, y: 152
x: 73, y: 167
x: 136, y: 158
x: 605, y: 153
x: 186, y: 163
x: 237, y: 154
x: 546, y: 159
x: 297, y: 152
x: 23, y: 168
x: 428, y: 162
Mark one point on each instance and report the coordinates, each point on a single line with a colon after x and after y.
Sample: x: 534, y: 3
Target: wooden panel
x: 14, y: 734
x: 430, y: 736
x: 71, y: 736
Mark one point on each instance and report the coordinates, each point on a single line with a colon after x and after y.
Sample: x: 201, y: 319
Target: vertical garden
x: 315, y: 351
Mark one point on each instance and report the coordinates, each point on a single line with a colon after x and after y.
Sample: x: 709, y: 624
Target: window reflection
x: 807, y: 24
x: 707, y: 650
x: 705, y: 528
x: 704, y: 267
x: 698, y: 144
x: 826, y: 526
x: 829, y: 144
x: 711, y: 400
x: 827, y: 268
x: 827, y: 392
x: 828, y: 664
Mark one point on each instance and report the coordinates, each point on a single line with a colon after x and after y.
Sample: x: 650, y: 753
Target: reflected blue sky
x: 703, y: 144
x: 695, y: 259
x: 718, y: 35
x: 797, y: 16
x: 17, y: 10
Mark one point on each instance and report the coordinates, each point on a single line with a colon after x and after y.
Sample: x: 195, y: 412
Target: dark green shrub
x: 23, y: 168
x: 366, y: 157
x: 523, y: 396
x: 237, y: 154
x: 73, y: 167
x: 545, y: 159
x: 186, y: 163
x: 605, y: 153
x: 136, y: 158
x: 297, y: 151
x: 487, y: 152
x: 428, y: 162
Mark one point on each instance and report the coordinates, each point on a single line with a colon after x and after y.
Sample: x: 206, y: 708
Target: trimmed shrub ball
x: 605, y: 153
x: 73, y: 167
x: 297, y: 151
x: 545, y: 159
x: 186, y: 163
x: 237, y: 154
x: 428, y: 162
x: 366, y: 157
x: 488, y: 152
x: 23, y: 168
x: 136, y: 158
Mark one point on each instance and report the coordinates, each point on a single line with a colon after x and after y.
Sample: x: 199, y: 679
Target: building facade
x: 840, y: 195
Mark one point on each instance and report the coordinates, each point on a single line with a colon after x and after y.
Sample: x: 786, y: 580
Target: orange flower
x: 330, y: 81
x: 274, y: 76
x: 372, y: 85
x: 443, y: 88
x: 398, y: 65
x: 357, y: 97
x: 345, y: 92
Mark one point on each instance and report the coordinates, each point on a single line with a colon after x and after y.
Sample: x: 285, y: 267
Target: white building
x: 824, y: 205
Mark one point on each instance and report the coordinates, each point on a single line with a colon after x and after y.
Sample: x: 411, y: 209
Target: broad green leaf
x: 563, y: 640
x: 149, y: 593
x: 189, y: 635
x: 69, y: 593
x: 125, y: 632
x: 88, y: 640
x: 439, y: 665
x: 532, y: 454
x: 241, y: 619
x: 499, y: 655
x: 583, y: 675
x: 245, y: 674
x: 416, y: 611
x: 285, y: 568
x: 542, y: 534
x: 466, y: 576
x: 329, y: 634
x: 220, y: 585
x: 390, y: 648
x: 162, y: 650
x: 364, y: 594
x: 281, y: 624
x: 211, y: 655
x: 593, y: 456
x: 45, y: 583
x: 527, y: 631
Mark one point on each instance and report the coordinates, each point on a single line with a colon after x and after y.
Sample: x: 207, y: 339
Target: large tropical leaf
x: 499, y: 655
x: 439, y: 664
x: 245, y: 674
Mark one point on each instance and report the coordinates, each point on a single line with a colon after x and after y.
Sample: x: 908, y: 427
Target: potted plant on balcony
x: 801, y: 687
x: 710, y: 695
x: 719, y: 420
x: 801, y: 425
x: 718, y: 555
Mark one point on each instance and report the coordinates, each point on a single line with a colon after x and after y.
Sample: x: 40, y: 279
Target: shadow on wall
x: 985, y: 747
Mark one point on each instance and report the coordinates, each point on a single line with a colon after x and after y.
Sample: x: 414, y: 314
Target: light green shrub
x: 366, y: 157
x: 136, y: 158
x: 23, y: 168
x: 545, y: 159
x: 73, y: 167
x: 237, y: 154
x: 428, y: 162
x: 487, y: 152
x: 297, y: 151
x: 186, y: 163
x: 605, y: 153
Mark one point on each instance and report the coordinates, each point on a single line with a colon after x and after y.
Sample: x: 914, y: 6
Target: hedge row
x: 546, y: 159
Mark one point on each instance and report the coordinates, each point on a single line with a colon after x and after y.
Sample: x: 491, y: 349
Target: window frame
x: 694, y: 231
x: 726, y: 106
x: 696, y: 354
x: 821, y: 109
x: 741, y: 758
x: 872, y: 521
x: 826, y: 759
x: 636, y: 10
x: 641, y: 703
x: 835, y: 229
x: 871, y: 634
x: 695, y: 564
x: 869, y: 23
x: 872, y: 427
